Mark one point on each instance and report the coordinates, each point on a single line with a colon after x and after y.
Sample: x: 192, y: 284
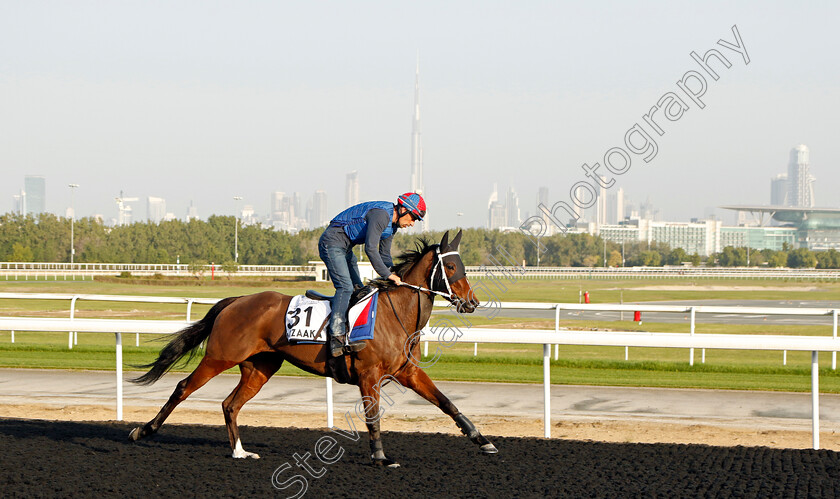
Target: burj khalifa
x: 417, y: 150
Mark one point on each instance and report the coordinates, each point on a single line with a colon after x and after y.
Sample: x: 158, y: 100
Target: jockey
x: 372, y: 223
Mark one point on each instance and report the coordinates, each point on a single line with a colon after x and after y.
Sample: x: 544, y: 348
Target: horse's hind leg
x: 256, y: 371
x: 207, y: 369
x: 419, y: 381
x: 369, y: 386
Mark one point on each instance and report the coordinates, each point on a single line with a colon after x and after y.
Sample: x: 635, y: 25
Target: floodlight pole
x: 72, y: 221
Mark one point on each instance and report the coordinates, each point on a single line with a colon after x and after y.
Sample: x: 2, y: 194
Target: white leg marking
x: 240, y: 453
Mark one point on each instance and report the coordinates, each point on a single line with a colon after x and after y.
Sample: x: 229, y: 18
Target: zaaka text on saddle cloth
x: 306, y: 319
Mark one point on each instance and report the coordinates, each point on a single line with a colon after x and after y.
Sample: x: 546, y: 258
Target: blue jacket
x: 366, y: 223
x: 352, y: 220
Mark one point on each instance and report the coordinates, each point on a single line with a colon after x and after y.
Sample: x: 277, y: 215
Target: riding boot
x: 337, y: 345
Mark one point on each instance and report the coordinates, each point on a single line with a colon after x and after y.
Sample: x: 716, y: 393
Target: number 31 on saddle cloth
x: 306, y: 319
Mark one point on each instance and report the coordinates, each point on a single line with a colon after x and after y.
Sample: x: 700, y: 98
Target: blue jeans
x: 344, y: 273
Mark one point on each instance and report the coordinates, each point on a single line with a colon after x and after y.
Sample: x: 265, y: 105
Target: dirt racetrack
x: 62, y: 459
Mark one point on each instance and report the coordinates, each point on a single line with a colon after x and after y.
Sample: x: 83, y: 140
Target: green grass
x: 658, y: 367
x: 645, y: 290
x: 560, y: 290
x: 579, y: 365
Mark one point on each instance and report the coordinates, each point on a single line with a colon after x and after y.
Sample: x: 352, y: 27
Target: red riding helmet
x: 414, y: 203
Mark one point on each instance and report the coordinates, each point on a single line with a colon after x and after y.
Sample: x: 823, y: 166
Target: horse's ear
x: 455, y: 242
x: 444, y: 243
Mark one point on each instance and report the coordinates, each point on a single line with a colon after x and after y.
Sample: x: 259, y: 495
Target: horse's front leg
x: 419, y: 381
x: 370, y: 402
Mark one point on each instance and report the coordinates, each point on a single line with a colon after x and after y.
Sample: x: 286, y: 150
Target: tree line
x: 46, y: 238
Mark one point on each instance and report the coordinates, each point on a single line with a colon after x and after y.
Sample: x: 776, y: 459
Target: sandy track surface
x: 606, y: 429
x: 605, y: 414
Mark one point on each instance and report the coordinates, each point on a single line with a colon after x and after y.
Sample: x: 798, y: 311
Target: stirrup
x: 356, y: 346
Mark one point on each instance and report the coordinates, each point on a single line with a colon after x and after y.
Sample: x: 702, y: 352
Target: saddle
x: 336, y: 368
x: 358, y: 295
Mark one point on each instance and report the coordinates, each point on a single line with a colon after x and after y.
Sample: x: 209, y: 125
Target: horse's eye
x: 450, y: 266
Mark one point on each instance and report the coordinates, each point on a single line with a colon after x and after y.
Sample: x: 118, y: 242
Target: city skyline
x: 285, y: 213
x: 513, y: 98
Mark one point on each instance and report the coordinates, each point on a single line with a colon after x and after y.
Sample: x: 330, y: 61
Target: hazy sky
x: 203, y: 101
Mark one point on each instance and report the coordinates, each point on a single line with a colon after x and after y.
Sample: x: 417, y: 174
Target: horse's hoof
x: 489, y: 449
x: 245, y: 455
x: 386, y: 463
x: 134, y: 435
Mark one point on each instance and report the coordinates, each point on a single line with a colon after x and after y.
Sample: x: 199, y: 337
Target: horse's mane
x: 406, y: 261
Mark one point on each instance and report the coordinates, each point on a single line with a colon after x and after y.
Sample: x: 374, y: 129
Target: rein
x: 413, y: 339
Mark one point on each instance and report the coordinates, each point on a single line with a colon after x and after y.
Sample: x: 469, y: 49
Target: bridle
x: 457, y: 276
x: 448, y: 281
x: 414, y: 339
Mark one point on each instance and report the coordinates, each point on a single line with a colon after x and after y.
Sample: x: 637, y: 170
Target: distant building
x: 295, y: 209
x: 779, y: 190
x: 317, y: 210
x: 799, y: 179
x: 19, y: 203
x: 512, y: 209
x: 615, y: 207
x: 494, y: 220
x: 701, y: 237
x: 125, y: 213
x: 351, y: 189
x: 279, y: 216
x: 497, y: 216
x: 816, y: 228
x: 417, y: 182
x: 648, y: 211
x: 601, y: 205
x: 276, y: 202
x: 35, y: 194
x: 579, y: 212
x: 758, y: 238
x: 248, y: 216
x: 155, y: 209
x: 192, y: 212
x: 542, y: 199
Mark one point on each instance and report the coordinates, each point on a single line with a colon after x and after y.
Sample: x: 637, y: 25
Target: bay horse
x: 249, y: 331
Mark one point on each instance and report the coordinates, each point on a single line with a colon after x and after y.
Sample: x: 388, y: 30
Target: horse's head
x: 449, y: 275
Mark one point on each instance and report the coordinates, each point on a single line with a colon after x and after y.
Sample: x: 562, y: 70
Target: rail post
x: 547, y: 389
x: 119, y: 378
x: 70, y: 335
x: 691, y: 350
x: 815, y: 398
x: 329, y: 402
x: 557, y: 330
x: 834, y: 354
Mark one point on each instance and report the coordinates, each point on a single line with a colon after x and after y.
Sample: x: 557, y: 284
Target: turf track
x: 57, y: 459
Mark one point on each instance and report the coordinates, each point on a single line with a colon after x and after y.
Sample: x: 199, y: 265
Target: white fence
x: 690, y: 340
x: 16, y: 271
x: 72, y: 337
x: 65, y: 271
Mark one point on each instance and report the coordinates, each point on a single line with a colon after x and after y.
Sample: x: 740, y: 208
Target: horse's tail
x: 185, y: 341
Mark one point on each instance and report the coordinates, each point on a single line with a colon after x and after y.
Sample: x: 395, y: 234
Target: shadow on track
x: 43, y: 458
